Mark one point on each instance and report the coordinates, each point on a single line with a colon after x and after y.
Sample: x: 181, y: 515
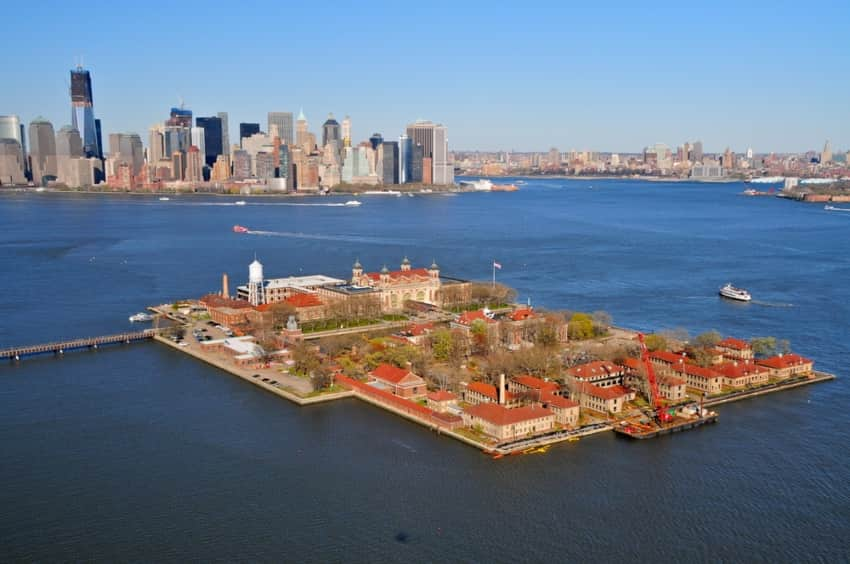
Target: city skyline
x: 616, y: 81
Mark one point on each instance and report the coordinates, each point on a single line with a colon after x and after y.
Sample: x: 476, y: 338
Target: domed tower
x: 356, y: 272
x: 256, y: 291
x: 405, y: 265
x: 385, y: 275
x: 434, y: 270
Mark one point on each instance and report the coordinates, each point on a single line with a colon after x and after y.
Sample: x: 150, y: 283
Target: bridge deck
x: 87, y: 342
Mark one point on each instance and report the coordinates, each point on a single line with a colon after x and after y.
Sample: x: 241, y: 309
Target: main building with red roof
x: 400, y: 381
x: 505, y: 423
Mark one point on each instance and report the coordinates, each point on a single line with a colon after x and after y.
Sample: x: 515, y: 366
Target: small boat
x: 382, y: 193
x: 164, y: 199
x: 239, y: 203
x: 733, y: 293
x: 497, y: 456
x: 139, y: 317
x: 541, y: 450
x: 573, y: 439
x: 353, y: 203
x: 240, y: 229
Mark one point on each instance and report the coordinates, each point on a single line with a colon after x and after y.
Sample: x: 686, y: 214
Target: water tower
x: 256, y: 293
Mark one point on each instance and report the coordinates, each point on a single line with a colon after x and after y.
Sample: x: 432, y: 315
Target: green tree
x: 655, y: 342
x: 580, y: 327
x: 707, y: 340
x: 321, y: 378
x: 441, y: 345
x: 306, y: 358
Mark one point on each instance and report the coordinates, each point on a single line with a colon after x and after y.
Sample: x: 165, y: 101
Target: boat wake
x: 833, y: 208
x: 319, y: 236
x: 228, y: 204
x: 770, y: 304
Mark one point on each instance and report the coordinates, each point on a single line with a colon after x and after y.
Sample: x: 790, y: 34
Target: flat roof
x: 300, y: 282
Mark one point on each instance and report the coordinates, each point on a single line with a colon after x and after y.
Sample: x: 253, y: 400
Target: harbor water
x: 138, y: 453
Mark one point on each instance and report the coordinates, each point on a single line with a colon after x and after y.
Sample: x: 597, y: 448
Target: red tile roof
x: 416, y: 329
x: 400, y: 275
x: 667, y: 357
x: 441, y: 395
x: 303, y: 300
x: 536, y: 383
x: 484, y: 389
x: 214, y: 300
x: 695, y: 370
x: 468, y: 317
x: 558, y: 401
x: 522, y: 314
x: 781, y: 361
x: 500, y: 415
x: 733, y: 343
x: 390, y: 373
x: 633, y: 364
x: 611, y: 392
x: 671, y: 381
x: 595, y: 369
x: 736, y: 370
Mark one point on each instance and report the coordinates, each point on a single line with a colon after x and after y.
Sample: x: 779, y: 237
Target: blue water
x: 137, y: 453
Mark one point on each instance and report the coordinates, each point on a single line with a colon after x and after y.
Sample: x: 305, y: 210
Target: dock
x: 61, y: 347
x: 641, y: 432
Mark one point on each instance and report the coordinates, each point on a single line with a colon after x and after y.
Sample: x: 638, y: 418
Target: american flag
x: 497, y: 265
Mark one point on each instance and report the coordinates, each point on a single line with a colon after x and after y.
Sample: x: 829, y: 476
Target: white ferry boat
x: 382, y: 193
x: 482, y: 185
x: 733, y: 293
x: 139, y: 317
x: 165, y: 199
x: 239, y: 203
x: 352, y: 203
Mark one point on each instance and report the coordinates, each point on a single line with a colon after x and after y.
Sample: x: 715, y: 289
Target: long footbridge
x: 61, y: 347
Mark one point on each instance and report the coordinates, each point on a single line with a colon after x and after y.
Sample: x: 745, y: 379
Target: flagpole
x: 494, y: 273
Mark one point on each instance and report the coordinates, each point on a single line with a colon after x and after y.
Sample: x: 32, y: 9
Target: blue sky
x: 501, y: 75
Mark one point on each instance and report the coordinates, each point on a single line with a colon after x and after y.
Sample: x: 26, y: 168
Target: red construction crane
x: 655, y: 398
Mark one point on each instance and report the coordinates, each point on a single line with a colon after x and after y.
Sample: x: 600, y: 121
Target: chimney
x: 225, y: 291
x: 501, y: 389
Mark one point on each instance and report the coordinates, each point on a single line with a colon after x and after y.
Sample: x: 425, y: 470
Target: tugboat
x: 733, y: 293
x: 239, y: 229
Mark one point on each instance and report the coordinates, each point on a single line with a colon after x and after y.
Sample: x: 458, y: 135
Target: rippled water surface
x: 136, y: 453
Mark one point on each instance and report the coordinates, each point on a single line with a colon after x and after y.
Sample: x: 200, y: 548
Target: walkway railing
x: 60, y: 347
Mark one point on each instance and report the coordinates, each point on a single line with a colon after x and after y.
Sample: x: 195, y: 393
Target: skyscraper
x: 247, y: 130
x: 375, y: 140
x: 283, y: 121
x: 156, y: 145
x: 826, y: 154
x: 435, y: 146
x: 301, y: 131
x: 388, y: 162
x: 346, y: 131
x: 43, y: 151
x: 331, y: 132
x: 225, y: 134
x: 194, y: 164
x: 198, y: 136
x: 696, y: 152
x: 214, y: 142
x: 11, y: 162
x: 82, y: 112
x: 180, y: 116
x: 405, y: 159
x: 10, y: 128
x: 69, y: 143
x: 69, y: 150
x: 443, y: 170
